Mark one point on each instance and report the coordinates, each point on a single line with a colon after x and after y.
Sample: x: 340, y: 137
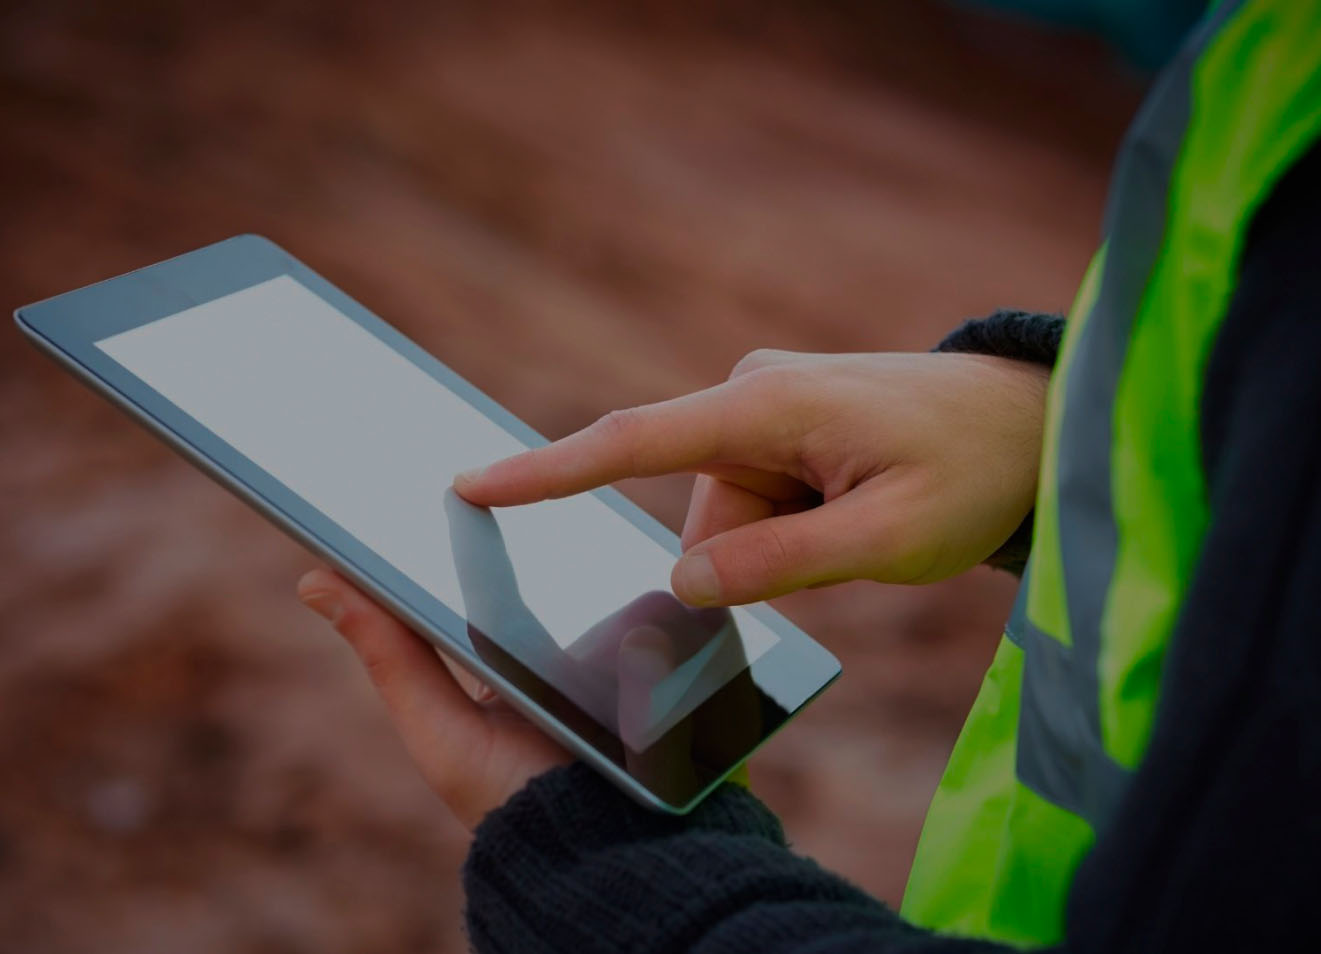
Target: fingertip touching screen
x: 567, y: 598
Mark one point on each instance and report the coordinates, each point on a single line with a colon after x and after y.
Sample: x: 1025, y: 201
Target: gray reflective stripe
x: 1018, y: 615
x: 1061, y: 755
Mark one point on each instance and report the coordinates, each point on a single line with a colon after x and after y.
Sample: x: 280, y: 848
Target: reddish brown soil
x: 578, y: 212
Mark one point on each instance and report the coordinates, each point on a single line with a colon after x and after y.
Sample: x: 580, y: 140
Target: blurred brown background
x: 578, y: 209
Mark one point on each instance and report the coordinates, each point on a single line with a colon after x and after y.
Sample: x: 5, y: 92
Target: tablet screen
x: 568, y: 589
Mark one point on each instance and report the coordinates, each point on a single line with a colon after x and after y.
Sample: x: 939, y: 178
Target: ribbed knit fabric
x: 1022, y: 336
x: 569, y: 864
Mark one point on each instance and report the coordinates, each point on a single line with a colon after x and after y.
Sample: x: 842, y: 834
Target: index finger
x: 663, y: 438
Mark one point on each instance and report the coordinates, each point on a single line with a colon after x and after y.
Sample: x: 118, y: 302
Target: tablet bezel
x: 796, y: 669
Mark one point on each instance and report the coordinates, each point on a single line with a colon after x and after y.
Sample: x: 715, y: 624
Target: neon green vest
x: 1065, y: 711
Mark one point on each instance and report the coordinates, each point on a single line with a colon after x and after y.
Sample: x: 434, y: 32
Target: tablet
x: 347, y: 435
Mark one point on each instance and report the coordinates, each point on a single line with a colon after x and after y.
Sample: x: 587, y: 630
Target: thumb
x: 427, y: 705
x: 646, y: 659
x: 768, y: 558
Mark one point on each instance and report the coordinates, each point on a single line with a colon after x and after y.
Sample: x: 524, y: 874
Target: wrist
x: 569, y: 849
x: 1032, y: 339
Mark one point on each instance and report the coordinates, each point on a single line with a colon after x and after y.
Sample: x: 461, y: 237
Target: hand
x: 816, y: 469
x: 475, y: 756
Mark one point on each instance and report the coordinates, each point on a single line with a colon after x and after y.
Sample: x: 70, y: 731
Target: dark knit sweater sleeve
x: 1021, y: 336
x: 571, y: 865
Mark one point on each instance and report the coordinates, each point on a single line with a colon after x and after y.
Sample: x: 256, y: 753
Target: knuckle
x: 754, y: 361
x: 375, y: 658
x: 378, y: 665
x: 620, y: 428
x: 777, y: 381
x: 773, y: 553
x: 619, y: 423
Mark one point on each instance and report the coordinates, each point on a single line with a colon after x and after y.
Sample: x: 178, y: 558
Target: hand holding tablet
x: 346, y: 434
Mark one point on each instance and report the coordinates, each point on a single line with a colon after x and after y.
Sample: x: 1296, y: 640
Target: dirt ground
x: 576, y: 209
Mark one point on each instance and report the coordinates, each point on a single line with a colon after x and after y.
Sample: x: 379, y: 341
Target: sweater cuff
x: 1020, y: 336
x: 574, y: 800
x: 571, y: 859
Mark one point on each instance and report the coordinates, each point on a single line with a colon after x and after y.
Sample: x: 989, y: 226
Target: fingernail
x: 696, y: 577
x: 470, y: 476
x: 324, y: 604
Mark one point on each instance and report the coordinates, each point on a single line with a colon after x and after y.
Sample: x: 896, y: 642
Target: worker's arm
x: 1215, y: 846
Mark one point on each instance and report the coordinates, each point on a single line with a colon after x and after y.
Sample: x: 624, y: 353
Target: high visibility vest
x: 1065, y: 711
